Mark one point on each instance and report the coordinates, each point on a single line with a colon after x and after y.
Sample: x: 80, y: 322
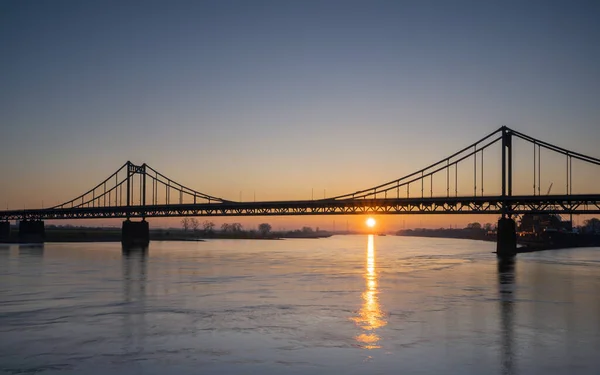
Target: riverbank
x: 557, y: 240
x: 465, y: 234
x: 114, y: 235
x: 528, y: 243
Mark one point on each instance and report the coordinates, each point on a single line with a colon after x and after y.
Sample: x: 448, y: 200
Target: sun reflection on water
x: 370, y: 316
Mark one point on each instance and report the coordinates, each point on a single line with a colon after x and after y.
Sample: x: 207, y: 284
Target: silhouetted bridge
x: 139, y: 191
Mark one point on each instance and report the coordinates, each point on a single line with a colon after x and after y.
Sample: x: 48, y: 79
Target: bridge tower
x: 506, y: 245
x: 135, y: 233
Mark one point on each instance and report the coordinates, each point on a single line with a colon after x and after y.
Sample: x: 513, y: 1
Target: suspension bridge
x: 139, y: 191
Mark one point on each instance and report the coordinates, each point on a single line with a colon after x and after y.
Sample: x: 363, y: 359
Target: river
x: 345, y: 304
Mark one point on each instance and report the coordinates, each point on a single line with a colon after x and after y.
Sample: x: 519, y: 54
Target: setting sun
x: 370, y: 222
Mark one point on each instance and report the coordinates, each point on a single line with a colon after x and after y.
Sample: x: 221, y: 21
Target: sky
x: 284, y: 99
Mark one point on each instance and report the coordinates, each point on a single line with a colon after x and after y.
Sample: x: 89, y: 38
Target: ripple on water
x: 344, y: 304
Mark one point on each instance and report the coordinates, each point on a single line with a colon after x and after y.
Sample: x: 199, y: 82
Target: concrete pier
x: 4, y: 231
x: 32, y: 231
x: 135, y: 233
x: 506, y: 245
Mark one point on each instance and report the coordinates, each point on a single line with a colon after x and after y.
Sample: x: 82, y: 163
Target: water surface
x: 345, y: 304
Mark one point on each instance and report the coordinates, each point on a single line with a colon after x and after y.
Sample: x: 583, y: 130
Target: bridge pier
x: 506, y: 243
x: 32, y: 231
x: 135, y: 233
x: 4, y: 231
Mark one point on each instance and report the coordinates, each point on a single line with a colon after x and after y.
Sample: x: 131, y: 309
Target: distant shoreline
x: 84, y: 234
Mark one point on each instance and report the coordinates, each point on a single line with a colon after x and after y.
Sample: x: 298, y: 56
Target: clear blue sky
x: 281, y: 97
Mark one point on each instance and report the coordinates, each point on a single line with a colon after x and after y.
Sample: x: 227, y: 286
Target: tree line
x: 208, y: 227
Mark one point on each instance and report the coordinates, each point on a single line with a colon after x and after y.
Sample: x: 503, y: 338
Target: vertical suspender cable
x: 431, y: 185
x: 456, y: 179
x: 475, y: 170
x: 567, y: 176
x: 534, y: 157
x: 448, y: 178
x: 571, y: 175
x: 539, y: 168
x: 482, y: 172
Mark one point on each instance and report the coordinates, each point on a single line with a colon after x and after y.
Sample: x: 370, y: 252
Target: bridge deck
x: 561, y: 204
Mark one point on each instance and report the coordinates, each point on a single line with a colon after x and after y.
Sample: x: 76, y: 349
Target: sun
x: 371, y: 222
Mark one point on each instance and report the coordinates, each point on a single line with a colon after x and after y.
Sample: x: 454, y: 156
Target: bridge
x: 139, y: 191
